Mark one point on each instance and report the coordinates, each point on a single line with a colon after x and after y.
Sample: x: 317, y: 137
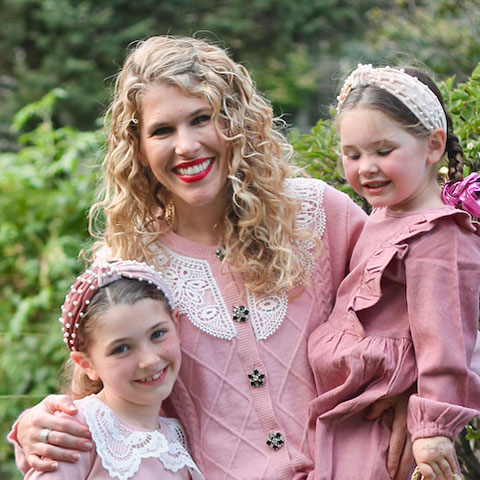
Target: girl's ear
x: 81, y: 359
x: 436, y: 145
x: 176, y: 321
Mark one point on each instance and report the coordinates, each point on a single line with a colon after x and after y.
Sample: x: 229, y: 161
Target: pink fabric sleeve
x: 442, y: 271
x: 344, y: 223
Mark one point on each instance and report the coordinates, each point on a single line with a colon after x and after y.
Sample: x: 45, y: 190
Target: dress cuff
x: 431, y: 418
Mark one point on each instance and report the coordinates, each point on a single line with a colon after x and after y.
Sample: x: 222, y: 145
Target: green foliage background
x: 50, y: 158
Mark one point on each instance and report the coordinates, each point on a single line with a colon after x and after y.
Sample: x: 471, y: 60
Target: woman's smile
x: 194, y: 171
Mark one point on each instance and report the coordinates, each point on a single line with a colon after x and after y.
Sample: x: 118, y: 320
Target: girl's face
x: 179, y: 142
x: 386, y: 164
x: 136, y: 353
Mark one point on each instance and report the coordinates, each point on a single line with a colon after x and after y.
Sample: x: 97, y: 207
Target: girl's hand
x: 435, y: 457
x: 400, y: 456
x: 67, y: 434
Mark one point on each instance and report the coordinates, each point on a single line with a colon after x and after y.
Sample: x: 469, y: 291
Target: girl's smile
x: 136, y: 353
x: 386, y: 164
x: 155, y: 378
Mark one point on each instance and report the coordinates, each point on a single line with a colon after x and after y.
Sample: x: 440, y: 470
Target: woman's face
x: 180, y: 144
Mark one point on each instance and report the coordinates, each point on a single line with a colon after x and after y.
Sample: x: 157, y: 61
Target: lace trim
x: 198, y: 296
x: 196, y: 292
x: 311, y: 215
x: 122, y: 450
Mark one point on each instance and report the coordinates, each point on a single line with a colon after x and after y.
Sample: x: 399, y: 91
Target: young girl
x: 407, y: 313
x: 122, y: 332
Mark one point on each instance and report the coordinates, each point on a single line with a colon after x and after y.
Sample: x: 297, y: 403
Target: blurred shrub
x: 46, y: 190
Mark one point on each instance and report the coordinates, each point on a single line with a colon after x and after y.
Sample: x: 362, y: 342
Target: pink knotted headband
x: 100, y: 275
x: 464, y: 194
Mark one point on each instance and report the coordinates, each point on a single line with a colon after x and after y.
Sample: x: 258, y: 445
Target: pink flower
x: 464, y: 194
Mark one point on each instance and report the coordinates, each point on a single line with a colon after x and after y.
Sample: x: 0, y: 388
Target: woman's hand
x: 435, y: 457
x: 400, y: 456
x: 67, y: 434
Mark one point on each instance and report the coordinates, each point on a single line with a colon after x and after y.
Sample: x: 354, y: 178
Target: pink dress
x: 124, y: 451
x: 406, y: 314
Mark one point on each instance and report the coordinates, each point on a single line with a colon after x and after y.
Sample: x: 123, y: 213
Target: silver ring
x: 44, y: 434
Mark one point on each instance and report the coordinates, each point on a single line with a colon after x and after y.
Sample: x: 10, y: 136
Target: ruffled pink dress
x: 406, y: 314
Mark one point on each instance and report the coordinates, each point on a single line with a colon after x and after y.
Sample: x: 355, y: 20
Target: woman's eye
x: 162, y: 131
x: 158, y: 334
x: 201, y: 119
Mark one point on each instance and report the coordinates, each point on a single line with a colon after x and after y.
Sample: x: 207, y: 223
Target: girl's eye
x: 201, y: 119
x: 385, y: 152
x: 351, y: 156
x: 158, y: 334
x: 120, y: 349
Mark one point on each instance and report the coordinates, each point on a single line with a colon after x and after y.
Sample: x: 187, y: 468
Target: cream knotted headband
x: 414, y: 94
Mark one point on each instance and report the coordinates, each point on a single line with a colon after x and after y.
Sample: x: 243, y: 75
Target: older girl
x: 120, y: 326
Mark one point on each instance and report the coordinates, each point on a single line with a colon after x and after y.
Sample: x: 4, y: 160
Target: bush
x: 47, y: 188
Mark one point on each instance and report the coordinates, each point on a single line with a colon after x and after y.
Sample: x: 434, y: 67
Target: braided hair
x: 453, y: 148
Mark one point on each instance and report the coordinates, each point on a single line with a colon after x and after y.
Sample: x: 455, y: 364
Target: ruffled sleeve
x: 369, y: 289
x: 442, y: 272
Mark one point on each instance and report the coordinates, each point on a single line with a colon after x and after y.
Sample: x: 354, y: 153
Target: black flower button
x: 257, y: 378
x: 240, y: 314
x: 275, y: 441
x: 220, y: 252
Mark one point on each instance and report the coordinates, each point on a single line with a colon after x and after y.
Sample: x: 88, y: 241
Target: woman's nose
x: 186, y: 144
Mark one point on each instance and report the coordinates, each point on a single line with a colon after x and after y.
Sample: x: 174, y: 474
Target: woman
x: 198, y: 182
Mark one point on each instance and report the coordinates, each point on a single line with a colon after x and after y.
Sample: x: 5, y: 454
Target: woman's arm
x: 67, y: 437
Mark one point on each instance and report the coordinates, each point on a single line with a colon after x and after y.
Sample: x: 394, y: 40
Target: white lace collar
x: 197, y: 295
x: 122, y: 449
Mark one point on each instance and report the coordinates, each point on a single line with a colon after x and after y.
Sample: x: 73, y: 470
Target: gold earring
x: 170, y: 213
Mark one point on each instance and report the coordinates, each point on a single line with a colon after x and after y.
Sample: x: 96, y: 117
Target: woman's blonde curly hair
x: 260, y: 236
